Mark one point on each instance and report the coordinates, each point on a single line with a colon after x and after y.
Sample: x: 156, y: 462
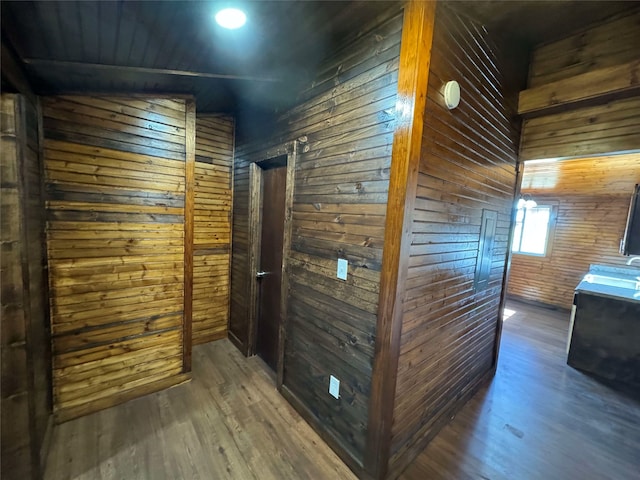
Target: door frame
x: 290, y: 150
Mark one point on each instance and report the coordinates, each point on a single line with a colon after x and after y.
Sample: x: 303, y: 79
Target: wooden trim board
x: 603, y: 82
x: 190, y: 152
x: 289, y: 149
x: 286, y: 248
x: 413, y: 75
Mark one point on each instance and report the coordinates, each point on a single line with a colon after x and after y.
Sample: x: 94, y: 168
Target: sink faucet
x: 632, y: 259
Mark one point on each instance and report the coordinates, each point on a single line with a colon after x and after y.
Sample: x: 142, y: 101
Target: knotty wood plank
x: 116, y: 244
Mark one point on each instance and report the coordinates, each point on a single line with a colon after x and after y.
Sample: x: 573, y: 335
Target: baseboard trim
x: 537, y: 303
x: 199, y: 340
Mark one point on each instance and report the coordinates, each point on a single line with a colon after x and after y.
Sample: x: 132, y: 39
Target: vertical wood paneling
x: 468, y: 165
x: 604, y: 126
x: 115, y: 173
x: 212, y: 227
x: 339, y: 205
x: 25, y: 336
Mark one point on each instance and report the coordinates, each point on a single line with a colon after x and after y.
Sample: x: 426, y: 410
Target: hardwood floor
x: 229, y: 422
x: 538, y: 419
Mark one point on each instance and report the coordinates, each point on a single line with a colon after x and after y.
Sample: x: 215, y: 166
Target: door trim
x: 289, y: 149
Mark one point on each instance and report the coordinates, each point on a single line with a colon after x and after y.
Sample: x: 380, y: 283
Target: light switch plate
x: 334, y: 386
x: 343, y: 266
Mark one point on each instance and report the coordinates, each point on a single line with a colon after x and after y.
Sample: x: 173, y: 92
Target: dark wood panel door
x: 270, y: 276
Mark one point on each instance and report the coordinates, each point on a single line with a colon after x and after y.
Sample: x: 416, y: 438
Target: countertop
x: 590, y: 282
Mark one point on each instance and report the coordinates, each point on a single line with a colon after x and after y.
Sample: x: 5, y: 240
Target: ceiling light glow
x: 231, y: 18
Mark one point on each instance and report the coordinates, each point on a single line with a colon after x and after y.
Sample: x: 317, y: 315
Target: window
x: 534, y: 226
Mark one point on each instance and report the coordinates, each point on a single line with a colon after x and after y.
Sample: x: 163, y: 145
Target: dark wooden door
x: 273, y: 211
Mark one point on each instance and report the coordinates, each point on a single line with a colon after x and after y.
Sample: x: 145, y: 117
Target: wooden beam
x: 189, y: 200
x: 603, y: 82
x: 37, y: 63
x: 13, y: 72
x: 413, y: 76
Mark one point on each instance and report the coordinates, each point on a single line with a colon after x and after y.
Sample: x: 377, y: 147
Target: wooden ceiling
x: 606, y: 175
x: 175, y: 46
x: 534, y: 22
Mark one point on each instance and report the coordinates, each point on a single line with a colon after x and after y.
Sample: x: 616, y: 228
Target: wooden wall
x: 592, y: 197
x: 340, y: 194
x: 118, y: 246
x: 468, y: 165
x: 25, y: 336
x: 593, y: 60
x: 212, y: 226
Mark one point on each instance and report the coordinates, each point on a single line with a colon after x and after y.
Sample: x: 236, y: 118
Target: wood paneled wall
x: 607, y: 124
x: 25, y: 335
x: 118, y: 246
x: 592, y: 197
x: 467, y: 166
x: 212, y: 226
x: 340, y: 195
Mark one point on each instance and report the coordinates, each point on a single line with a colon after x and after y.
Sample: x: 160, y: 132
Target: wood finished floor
x: 229, y: 422
x: 538, y: 419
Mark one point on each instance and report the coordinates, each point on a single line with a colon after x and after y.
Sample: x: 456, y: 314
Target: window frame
x: 551, y: 228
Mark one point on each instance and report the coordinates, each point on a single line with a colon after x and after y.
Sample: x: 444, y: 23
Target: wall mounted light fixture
x: 452, y: 94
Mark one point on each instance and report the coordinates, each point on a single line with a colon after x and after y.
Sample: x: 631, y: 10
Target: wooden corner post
x: 413, y: 76
x: 189, y: 199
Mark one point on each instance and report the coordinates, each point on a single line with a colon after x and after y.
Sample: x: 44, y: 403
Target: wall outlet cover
x: 334, y: 386
x: 343, y: 266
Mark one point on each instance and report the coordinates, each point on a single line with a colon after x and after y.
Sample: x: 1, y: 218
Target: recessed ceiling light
x: 231, y: 18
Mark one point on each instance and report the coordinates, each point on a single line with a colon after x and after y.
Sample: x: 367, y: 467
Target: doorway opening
x: 271, y: 187
x: 269, y: 272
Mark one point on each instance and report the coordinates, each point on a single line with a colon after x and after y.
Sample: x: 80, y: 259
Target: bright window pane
x: 517, y: 235
x: 535, y: 230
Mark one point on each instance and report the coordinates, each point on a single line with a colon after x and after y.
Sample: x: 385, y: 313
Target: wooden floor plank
x: 539, y: 418
x: 229, y: 422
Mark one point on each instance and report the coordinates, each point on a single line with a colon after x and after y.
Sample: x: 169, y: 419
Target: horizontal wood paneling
x: 593, y: 197
x: 604, y: 126
x: 340, y: 194
x: 609, y: 43
x: 596, y: 130
x: 212, y: 227
x: 619, y: 80
x: 592, y: 176
x: 25, y: 336
x: 467, y: 165
x: 115, y: 173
